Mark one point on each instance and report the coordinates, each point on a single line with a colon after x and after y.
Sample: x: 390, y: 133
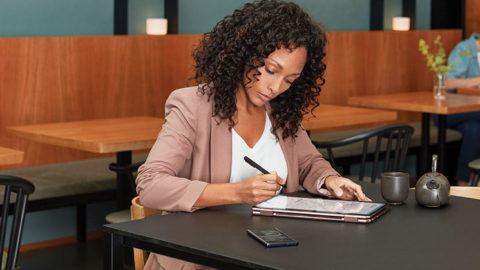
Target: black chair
x: 474, y: 166
x: 124, y: 215
x: 128, y: 171
x: 390, y: 146
x: 22, y: 188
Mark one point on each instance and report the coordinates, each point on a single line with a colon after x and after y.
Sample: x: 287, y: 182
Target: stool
x: 474, y: 165
x: 118, y: 216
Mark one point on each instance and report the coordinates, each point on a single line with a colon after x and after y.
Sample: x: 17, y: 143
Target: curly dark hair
x: 239, y: 44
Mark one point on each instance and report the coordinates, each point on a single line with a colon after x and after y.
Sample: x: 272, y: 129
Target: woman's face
x: 282, y: 67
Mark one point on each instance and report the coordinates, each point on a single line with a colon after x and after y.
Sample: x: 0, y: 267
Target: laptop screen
x: 321, y: 205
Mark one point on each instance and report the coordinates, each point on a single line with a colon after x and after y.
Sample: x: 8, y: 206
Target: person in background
x: 465, y: 74
x: 260, y: 71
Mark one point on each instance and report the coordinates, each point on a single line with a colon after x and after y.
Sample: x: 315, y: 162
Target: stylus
x: 256, y: 166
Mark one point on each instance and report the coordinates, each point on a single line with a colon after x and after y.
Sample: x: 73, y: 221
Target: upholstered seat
x: 118, y: 216
x: 70, y: 178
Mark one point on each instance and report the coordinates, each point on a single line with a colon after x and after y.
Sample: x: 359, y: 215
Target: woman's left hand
x: 345, y: 189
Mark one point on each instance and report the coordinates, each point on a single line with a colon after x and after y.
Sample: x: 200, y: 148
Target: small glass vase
x: 439, y: 91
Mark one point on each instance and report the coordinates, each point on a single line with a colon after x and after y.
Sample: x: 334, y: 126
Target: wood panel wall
x: 472, y: 17
x: 368, y: 63
x: 50, y: 79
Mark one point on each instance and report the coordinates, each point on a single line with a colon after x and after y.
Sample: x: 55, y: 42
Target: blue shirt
x: 465, y: 67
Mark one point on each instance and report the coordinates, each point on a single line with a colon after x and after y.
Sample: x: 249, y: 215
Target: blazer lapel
x: 220, y: 151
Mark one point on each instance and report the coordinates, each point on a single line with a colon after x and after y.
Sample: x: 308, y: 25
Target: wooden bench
x: 74, y: 183
x: 350, y: 154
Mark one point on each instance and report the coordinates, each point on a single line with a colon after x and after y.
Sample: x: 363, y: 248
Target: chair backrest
x: 129, y: 171
x: 390, y: 145
x: 22, y: 189
x: 138, y: 211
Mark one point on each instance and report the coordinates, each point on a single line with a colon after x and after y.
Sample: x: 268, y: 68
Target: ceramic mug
x: 394, y: 187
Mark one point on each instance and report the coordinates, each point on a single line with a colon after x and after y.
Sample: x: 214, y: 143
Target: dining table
x: 10, y: 156
x: 425, y: 103
x: 328, y: 116
x: 102, y: 136
x: 124, y: 134
x: 408, y: 236
x: 469, y: 91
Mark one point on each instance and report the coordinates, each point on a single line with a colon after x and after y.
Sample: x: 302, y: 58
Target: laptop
x: 320, y: 209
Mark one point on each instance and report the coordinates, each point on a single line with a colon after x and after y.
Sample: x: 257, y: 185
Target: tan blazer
x: 194, y: 149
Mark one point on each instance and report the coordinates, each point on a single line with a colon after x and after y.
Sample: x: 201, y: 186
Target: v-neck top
x: 267, y: 153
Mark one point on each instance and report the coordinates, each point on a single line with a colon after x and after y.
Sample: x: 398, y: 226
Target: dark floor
x: 76, y: 256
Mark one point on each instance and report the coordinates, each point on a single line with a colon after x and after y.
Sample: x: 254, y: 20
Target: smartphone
x: 272, y: 237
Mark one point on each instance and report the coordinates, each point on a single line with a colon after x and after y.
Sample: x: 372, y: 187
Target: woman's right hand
x: 259, y: 188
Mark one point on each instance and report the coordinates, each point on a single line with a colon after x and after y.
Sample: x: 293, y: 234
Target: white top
x: 478, y: 58
x: 266, y: 153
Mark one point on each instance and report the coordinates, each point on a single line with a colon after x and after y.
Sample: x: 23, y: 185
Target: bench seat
x: 73, y: 183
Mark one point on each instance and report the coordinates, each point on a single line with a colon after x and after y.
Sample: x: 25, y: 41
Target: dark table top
x: 407, y: 237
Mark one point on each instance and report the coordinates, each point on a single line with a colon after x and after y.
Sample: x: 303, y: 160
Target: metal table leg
x: 442, y: 134
x: 123, y: 158
x: 113, y: 251
x: 424, y: 155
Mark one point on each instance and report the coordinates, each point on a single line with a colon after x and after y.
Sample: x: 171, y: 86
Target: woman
x: 262, y: 68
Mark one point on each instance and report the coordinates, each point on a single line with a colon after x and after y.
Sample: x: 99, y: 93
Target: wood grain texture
x: 467, y: 192
x: 96, y: 136
x: 419, y: 102
x: 58, y: 79
x: 10, y: 156
x: 378, y: 62
x: 472, y: 17
x: 336, y: 116
x: 469, y: 91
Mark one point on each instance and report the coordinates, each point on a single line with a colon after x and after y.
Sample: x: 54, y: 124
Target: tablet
x: 321, y: 209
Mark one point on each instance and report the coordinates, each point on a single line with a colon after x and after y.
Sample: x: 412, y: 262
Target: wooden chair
x: 138, y: 211
x: 22, y: 188
x: 467, y: 192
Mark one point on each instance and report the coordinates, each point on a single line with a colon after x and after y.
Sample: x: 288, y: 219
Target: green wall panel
x: 139, y: 11
x: 423, y: 14
x: 95, y: 17
x: 339, y: 15
x: 55, y: 17
x: 336, y: 15
x: 391, y: 8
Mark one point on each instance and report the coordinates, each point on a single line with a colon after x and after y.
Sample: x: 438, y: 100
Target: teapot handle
x: 434, y: 162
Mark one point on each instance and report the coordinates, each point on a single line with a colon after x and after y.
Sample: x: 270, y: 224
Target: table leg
x: 113, y: 251
x: 424, y: 159
x: 442, y: 135
x: 123, y: 158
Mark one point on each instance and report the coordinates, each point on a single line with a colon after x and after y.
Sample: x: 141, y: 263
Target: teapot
x: 432, y: 188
